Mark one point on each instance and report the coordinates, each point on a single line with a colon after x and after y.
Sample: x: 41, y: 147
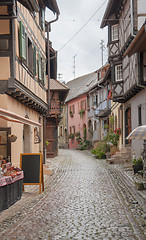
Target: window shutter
x: 22, y: 41
x: 43, y: 19
x: 39, y: 67
x: 44, y: 72
x: 34, y: 60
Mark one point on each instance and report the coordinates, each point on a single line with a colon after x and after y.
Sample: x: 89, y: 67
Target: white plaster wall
x: 140, y: 98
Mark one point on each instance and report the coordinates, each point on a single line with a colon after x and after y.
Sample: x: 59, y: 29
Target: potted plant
x: 71, y: 114
x: 81, y: 112
x: 137, y: 165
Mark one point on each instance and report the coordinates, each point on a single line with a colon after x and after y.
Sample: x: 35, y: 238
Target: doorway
x: 127, y: 124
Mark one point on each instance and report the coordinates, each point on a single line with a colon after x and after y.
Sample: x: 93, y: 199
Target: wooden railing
x: 55, y: 107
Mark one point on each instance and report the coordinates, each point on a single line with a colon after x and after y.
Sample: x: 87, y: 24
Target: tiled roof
x: 81, y: 85
x: 56, y: 85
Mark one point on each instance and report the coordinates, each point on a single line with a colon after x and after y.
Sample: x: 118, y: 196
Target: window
x: 4, y: 45
x: 94, y: 125
x: 115, y: 32
x: 118, y: 72
x: 5, y: 145
x: 72, y: 109
x: 139, y: 116
x: 30, y: 56
x: 42, y: 19
x: 83, y: 105
x: 99, y: 75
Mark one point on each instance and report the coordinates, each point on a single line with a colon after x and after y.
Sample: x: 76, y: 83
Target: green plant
x: 71, y: 114
x: 47, y: 143
x: 81, y: 112
x: 99, y: 152
x: 138, y: 161
x: 71, y: 136
x: 77, y: 134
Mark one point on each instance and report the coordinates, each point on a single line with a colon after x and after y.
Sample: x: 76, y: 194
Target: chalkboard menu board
x: 32, y: 166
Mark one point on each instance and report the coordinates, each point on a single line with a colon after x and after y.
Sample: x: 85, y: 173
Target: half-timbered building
x: 124, y: 19
x: 23, y: 86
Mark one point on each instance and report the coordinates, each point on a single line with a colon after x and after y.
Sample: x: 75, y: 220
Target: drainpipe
x: 132, y: 18
x: 48, y: 44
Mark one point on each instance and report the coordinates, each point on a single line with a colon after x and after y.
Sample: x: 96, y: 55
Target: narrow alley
x: 81, y: 201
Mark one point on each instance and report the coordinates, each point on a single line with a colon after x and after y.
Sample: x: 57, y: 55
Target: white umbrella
x: 140, y: 133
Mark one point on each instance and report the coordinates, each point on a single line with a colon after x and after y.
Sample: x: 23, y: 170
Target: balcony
x: 55, y: 108
x: 103, y: 109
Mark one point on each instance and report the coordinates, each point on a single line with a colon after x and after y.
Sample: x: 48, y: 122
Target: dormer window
x: 118, y: 73
x: 115, y: 32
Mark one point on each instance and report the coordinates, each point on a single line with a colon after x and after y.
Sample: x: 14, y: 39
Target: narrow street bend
x: 82, y: 202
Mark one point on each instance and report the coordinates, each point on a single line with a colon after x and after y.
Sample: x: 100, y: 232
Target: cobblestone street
x: 82, y: 200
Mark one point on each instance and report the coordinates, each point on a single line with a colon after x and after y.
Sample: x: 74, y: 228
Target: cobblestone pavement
x: 84, y: 199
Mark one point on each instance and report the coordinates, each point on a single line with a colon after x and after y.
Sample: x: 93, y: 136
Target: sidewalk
x: 125, y: 170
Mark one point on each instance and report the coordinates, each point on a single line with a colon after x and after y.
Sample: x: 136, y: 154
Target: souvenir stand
x: 11, y: 184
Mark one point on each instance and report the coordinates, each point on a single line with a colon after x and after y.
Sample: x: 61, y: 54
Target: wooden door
x: 51, y: 137
x: 127, y: 124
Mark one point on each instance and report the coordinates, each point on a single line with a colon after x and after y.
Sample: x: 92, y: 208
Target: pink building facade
x: 77, y: 118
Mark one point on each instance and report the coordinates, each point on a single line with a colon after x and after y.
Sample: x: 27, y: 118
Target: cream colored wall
x: 4, y: 68
x: 21, y: 73
x: 12, y: 105
x: 4, y: 61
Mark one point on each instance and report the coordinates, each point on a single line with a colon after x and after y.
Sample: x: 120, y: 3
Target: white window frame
x: 118, y: 73
x: 115, y: 32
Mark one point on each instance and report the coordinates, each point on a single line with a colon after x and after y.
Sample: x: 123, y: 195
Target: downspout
x: 132, y: 18
x: 45, y: 118
x: 48, y: 45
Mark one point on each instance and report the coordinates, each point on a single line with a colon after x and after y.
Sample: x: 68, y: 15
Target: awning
x: 13, y: 117
x: 139, y: 42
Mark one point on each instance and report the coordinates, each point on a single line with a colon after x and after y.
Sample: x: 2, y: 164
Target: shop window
x: 115, y: 32
x: 4, y: 44
x: 118, y: 73
x: 5, y: 145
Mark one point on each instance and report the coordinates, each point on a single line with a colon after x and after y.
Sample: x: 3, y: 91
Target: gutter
x: 132, y: 18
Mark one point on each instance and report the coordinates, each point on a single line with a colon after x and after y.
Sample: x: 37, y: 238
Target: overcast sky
x: 74, y: 14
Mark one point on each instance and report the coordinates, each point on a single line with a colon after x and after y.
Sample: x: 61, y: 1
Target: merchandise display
x: 11, y: 184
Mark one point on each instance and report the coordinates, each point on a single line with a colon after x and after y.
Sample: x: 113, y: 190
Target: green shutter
x: 44, y: 72
x: 22, y: 41
x: 40, y: 66
x: 43, y: 19
x: 34, y: 60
